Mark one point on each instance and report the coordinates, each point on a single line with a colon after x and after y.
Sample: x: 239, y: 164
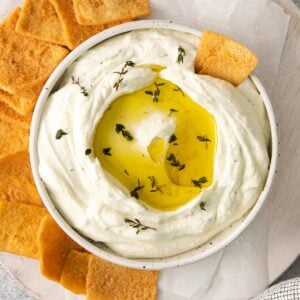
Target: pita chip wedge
x: 39, y: 20
x: 16, y: 182
x: 12, y: 139
x: 108, y: 281
x: 25, y: 63
x: 54, y: 247
x: 19, y: 224
x: 11, y: 116
x: 21, y: 105
x: 106, y: 11
x: 74, y: 273
x: 221, y: 57
x: 75, y: 33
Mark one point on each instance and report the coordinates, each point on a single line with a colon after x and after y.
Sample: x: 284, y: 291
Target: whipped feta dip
x: 94, y: 202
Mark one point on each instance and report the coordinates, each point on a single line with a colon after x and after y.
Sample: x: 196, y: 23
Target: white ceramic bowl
x: 99, y: 249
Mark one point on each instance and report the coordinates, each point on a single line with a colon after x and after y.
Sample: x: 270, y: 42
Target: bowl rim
x: 147, y: 263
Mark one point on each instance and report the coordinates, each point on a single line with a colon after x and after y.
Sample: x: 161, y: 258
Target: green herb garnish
x: 202, y: 205
x: 126, y: 172
x: 172, y: 110
x: 155, y: 94
x: 59, y: 134
x: 106, y: 151
x: 128, y: 63
x: 175, y: 162
x: 88, y: 151
x: 199, y: 183
x: 155, y: 186
x: 136, y: 223
x: 181, y: 54
x: 82, y: 88
x: 126, y: 134
x: 204, y: 139
x: 134, y: 192
x: 172, y: 138
x: 178, y: 89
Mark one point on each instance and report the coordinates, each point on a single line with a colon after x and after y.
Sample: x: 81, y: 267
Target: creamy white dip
x: 94, y: 202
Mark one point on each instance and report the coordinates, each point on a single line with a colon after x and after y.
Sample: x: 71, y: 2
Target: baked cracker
x: 221, y: 57
x: 11, y: 116
x: 106, y: 11
x: 39, y: 20
x: 25, y: 63
x: 19, y: 224
x: 54, y: 247
x: 16, y: 182
x: 12, y: 139
x: 75, y: 33
x: 73, y: 276
x: 107, y: 281
x: 21, y: 105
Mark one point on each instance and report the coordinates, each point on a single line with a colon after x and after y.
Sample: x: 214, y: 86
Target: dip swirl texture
x: 94, y: 202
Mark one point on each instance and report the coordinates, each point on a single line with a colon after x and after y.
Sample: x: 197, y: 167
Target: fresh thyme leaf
x: 155, y: 186
x: 121, y: 74
x: 178, y: 89
x: 204, y: 139
x: 82, y: 88
x: 127, y: 135
x: 129, y: 63
x: 202, y: 205
x: 199, y: 183
x: 126, y: 172
x: 181, y: 54
x: 136, y: 224
x: 175, y: 162
x: 155, y: 94
x: 106, y: 151
x: 134, y: 192
x: 172, y: 138
x: 88, y: 151
x: 172, y: 110
x: 59, y: 134
x: 119, y: 128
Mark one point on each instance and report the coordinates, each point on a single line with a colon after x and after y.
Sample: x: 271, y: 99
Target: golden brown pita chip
x: 21, y: 105
x: 106, y: 11
x: 19, y: 224
x: 25, y: 63
x: 16, y: 182
x: 221, y: 57
x: 109, y: 281
x: 54, y: 248
x: 73, y: 276
x: 10, y: 116
x: 75, y: 33
x: 39, y: 20
x: 12, y: 139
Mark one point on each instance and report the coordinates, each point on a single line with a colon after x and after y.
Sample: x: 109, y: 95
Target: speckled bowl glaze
x: 219, y: 241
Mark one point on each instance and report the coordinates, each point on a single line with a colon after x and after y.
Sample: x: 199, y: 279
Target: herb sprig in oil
x: 175, y: 162
x: 155, y: 94
x: 134, y: 192
x: 120, y: 128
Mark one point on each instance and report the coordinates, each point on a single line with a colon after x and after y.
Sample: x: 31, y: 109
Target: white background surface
x: 283, y: 207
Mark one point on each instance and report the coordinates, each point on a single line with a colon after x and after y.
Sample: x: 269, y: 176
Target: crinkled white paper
x: 240, y: 270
